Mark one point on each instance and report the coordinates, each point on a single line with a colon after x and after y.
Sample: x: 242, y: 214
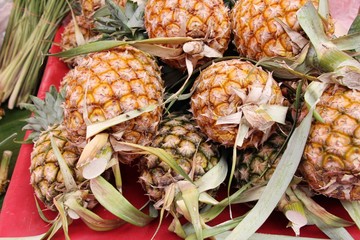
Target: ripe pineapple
x: 90, y: 6
x: 106, y: 84
x: 46, y: 177
x: 331, y: 157
x: 68, y: 39
x: 208, y: 20
x: 178, y: 135
x: 258, y: 34
x: 227, y: 87
x: 85, y: 22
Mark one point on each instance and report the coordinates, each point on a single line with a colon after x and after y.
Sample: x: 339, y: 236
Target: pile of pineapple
x: 196, y: 94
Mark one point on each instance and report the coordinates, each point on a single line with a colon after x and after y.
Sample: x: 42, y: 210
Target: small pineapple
x: 258, y: 33
x: 206, y: 20
x: 258, y: 164
x: 179, y: 136
x: 331, y: 157
x: 46, y: 177
x: 227, y: 87
x: 109, y: 83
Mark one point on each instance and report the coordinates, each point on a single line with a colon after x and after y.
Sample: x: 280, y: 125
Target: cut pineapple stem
x: 330, y: 58
x: 4, y: 170
x: 293, y: 209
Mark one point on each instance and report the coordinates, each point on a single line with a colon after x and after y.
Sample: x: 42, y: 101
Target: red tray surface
x: 19, y: 216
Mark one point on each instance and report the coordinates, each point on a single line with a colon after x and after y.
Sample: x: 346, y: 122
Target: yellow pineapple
x: 229, y: 87
x: 68, y: 39
x: 206, y: 20
x: 85, y: 22
x: 90, y: 6
x: 331, y: 157
x: 106, y: 84
x: 257, y: 31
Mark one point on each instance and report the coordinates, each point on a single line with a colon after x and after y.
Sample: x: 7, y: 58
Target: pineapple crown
x: 46, y: 113
x: 121, y: 23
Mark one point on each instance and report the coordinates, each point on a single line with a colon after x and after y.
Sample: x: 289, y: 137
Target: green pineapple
x: 179, y: 136
x: 46, y: 176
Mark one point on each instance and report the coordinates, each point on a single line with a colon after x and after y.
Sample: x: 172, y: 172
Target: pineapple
x: 206, y: 20
x: 331, y: 157
x: 106, y: 84
x: 89, y: 7
x: 85, y: 22
x: 258, y: 33
x: 46, y: 177
x: 258, y: 164
x: 179, y: 136
x: 68, y: 39
x: 227, y: 87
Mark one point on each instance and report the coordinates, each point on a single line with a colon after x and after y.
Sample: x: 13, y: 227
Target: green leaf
x: 116, y: 203
x: 355, y: 26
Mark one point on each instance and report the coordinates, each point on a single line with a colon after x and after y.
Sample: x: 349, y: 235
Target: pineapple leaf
x: 353, y: 208
x: 348, y: 42
x: 69, y: 180
x: 46, y: 113
x: 116, y: 203
x: 92, y: 220
x: 331, y: 232
x: 190, y: 195
x: 213, y: 178
x: 328, y: 218
x: 355, y: 26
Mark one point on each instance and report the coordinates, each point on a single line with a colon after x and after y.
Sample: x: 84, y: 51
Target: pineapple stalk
x: 338, y: 65
x: 4, y: 170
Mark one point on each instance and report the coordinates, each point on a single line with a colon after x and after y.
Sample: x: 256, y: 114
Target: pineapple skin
x: 46, y: 177
x: 258, y: 164
x: 106, y: 84
x: 68, y: 39
x: 179, y: 136
x: 256, y: 32
x: 195, y: 18
x: 331, y: 160
x: 214, y: 97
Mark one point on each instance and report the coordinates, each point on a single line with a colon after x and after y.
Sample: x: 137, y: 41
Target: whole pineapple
x: 206, y: 20
x: 109, y: 83
x: 226, y: 88
x: 46, y: 177
x: 331, y: 157
x: 257, y: 31
x: 179, y: 136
